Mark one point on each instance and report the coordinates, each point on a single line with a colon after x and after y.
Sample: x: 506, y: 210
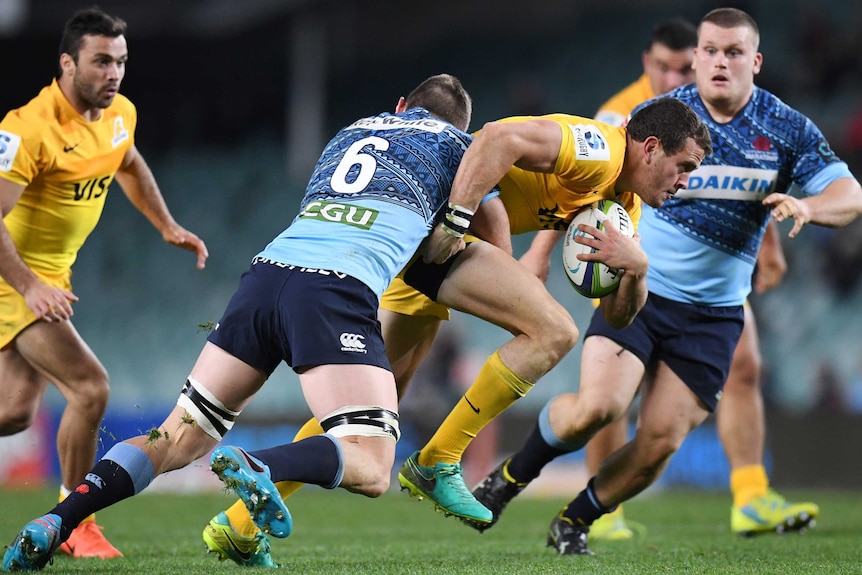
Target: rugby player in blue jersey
x: 702, y: 246
x: 310, y: 299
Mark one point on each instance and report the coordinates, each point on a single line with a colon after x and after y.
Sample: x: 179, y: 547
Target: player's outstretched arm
x: 139, y: 185
x: 839, y: 204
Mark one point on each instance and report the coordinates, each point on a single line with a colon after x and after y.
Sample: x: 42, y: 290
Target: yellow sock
x: 496, y: 388
x: 238, y: 515
x: 748, y: 482
x: 64, y: 493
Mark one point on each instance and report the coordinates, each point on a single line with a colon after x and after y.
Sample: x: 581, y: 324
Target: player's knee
x: 746, y: 368
x: 659, y: 448
x: 593, y: 416
x: 558, y: 336
x: 15, y: 418
x: 378, y: 486
x: 371, y: 478
x: 90, y: 396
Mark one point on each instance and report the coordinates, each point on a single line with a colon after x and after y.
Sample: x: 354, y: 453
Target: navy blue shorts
x: 304, y: 317
x: 697, y: 342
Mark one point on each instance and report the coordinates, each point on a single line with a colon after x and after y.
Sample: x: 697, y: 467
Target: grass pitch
x: 339, y: 533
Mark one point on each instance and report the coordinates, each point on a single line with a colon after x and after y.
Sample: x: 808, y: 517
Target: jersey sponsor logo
x: 352, y: 342
x: 120, y: 132
x: 352, y: 215
x: 9, y: 144
x: 396, y: 123
x: 68, y: 148
x: 730, y: 183
x: 590, y: 144
x: 91, y: 189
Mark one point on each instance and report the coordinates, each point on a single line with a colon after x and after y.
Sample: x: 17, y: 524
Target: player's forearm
x: 545, y: 241
x: 621, y: 306
x: 139, y: 185
x: 13, y: 269
x: 838, y: 205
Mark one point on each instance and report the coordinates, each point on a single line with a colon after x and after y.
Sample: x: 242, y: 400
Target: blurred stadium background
x: 235, y: 101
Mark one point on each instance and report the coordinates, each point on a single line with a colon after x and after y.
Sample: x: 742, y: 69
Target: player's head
x: 667, y: 58
x: 93, y: 56
x: 668, y: 141
x: 726, y: 59
x: 443, y: 96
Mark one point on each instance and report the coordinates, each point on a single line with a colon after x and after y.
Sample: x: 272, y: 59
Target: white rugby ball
x: 594, y: 279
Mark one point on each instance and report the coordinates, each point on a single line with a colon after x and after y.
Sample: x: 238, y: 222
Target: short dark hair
x: 446, y: 99
x: 91, y: 21
x: 676, y: 34
x: 732, y: 18
x: 672, y: 122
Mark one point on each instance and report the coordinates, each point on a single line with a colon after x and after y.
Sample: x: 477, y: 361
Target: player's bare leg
x: 408, y: 337
x: 487, y: 283
x: 635, y: 466
x: 54, y: 352
x: 614, y: 526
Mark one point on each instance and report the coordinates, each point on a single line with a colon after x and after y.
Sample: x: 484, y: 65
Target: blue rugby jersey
x: 374, y: 195
x: 702, y: 244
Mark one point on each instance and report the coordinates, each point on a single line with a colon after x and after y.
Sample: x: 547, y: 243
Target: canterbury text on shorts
x: 15, y: 316
x: 696, y: 342
x: 303, y: 316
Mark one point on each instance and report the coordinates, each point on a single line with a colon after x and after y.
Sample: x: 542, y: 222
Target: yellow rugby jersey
x: 616, y: 110
x: 590, y: 160
x: 66, y: 165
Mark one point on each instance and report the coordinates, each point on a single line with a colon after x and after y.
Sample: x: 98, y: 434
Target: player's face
x: 668, y: 69
x: 99, y: 71
x: 725, y: 63
x: 668, y: 174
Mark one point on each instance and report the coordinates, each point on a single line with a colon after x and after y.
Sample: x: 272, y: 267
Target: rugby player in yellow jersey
x: 58, y: 157
x: 740, y: 419
x: 546, y: 168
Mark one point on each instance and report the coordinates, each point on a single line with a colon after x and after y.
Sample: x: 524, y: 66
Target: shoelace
x: 451, y: 474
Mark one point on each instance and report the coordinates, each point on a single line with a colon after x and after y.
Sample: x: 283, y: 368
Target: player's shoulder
x: 765, y: 103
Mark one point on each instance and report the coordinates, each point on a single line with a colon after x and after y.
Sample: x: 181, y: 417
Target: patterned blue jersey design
x: 703, y: 242
x: 374, y: 195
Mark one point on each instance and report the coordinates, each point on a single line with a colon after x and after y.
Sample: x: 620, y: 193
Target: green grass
x: 340, y: 533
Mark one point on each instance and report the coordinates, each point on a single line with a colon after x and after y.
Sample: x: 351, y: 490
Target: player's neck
x: 725, y: 110
x: 89, y: 114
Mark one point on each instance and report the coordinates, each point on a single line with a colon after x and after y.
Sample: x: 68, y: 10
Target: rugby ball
x: 593, y: 279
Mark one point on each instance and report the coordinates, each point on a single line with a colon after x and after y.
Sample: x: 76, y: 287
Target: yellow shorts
x: 401, y: 298
x: 14, y: 313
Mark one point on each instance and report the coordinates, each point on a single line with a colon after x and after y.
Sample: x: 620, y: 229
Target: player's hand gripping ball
x: 594, y: 279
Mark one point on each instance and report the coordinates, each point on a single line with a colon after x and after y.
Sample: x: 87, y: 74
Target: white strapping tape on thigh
x: 368, y: 421
x: 208, y: 412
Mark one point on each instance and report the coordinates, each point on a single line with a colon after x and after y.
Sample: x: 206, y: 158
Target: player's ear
x: 650, y: 146
x: 758, y: 62
x: 401, y: 106
x: 67, y: 63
